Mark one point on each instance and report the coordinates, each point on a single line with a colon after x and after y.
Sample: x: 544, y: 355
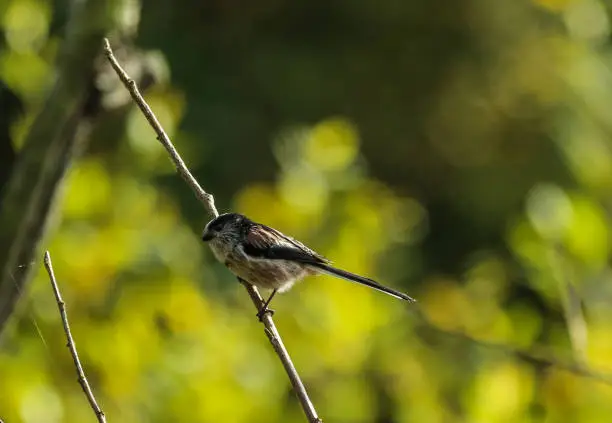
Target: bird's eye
x: 220, y: 222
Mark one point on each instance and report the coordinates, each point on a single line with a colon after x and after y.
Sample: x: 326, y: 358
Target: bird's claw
x: 260, y: 314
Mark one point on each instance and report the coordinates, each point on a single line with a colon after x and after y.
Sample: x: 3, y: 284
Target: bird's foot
x: 261, y: 313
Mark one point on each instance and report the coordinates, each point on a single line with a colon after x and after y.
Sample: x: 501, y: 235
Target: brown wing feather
x: 263, y: 241
x: 259, y: 238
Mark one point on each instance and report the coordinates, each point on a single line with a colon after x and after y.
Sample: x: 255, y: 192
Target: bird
x: 266, y: 258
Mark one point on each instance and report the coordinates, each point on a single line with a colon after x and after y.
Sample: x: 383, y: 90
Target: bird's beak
x: 207, y: 236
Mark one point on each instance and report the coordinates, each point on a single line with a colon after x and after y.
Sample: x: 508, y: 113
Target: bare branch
x: 71, y: 345
x: 206, y: 198
x: 281, y: 351
x: 208, y: 202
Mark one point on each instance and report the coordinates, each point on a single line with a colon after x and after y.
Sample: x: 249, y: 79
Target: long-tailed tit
x: 266, y: 258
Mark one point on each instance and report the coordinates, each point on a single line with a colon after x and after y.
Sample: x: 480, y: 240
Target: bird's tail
x: 330, y: 270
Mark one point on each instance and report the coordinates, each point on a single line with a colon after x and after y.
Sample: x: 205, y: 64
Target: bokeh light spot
x: 549, y: 210
x: 41, y: 404
x: 26, y: 24
x: 332, y: 145
x: 304, y: 188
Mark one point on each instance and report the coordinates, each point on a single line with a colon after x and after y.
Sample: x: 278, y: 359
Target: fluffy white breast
x: 220, y: 249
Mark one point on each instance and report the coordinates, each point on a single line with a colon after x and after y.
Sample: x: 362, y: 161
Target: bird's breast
x: 220, y: 249
x: 268, y: 274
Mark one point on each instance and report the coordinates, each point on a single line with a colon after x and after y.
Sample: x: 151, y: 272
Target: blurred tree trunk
x: 48, y: 150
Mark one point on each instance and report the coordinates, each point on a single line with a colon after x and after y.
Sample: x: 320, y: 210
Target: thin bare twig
x: 279, y: 347
x: 71, y: 345
x: 206, y: 198
x: 209, y: 203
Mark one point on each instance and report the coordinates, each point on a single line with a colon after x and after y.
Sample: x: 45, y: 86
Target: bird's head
x: 227, y: 225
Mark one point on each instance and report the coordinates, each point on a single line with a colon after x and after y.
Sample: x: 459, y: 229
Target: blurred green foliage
x: 458, y: 151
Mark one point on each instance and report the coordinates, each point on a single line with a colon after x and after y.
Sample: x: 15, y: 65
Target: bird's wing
x: 264, y: 242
